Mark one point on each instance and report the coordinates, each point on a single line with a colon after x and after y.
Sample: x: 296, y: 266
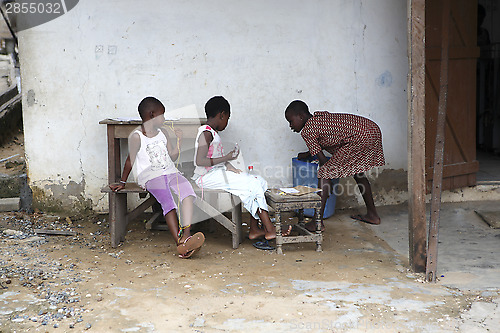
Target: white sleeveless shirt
x: 214, y: 151
x: 152, y: 159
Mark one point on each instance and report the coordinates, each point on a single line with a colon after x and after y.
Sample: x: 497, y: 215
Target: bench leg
x: 238, y: 234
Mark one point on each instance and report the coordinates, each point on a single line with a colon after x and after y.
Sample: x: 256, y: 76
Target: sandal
x: 191, y: 245
x: 263, y: 245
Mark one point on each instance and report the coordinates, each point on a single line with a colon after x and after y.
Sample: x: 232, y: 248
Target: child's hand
x: 178, y: 133
x: 235, y: 152
x: 233, y: 169
x: 231, y: 155
x: 117, y: 187
x: 304, y: 155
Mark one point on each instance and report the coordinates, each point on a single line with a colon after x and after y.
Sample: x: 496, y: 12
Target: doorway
x: 460, y: 164
x: 488, y: 92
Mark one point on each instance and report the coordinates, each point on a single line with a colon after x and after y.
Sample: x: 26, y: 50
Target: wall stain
x: 385, y: 79
x: 58, y: 198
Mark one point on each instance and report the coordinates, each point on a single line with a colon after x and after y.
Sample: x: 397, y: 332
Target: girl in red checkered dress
x: 354, y: 142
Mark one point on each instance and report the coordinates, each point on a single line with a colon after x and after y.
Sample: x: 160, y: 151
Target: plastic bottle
x: 236, y: 150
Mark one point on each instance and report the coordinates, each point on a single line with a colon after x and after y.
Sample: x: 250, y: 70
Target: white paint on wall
x: 101, y: 58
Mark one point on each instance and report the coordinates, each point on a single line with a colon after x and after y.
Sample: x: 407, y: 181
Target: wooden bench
x: 118, y: 130
x: 120, y: 217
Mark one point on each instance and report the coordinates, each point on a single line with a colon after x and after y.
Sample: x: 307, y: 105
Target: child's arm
x: 231, y: 167
x: 134, y: 144
x: 201, y: 154
x: 322, y: 158
x: 304, y: 155
x: 173, y: 152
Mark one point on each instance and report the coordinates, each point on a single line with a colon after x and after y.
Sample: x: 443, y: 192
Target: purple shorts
x: 162, y: 187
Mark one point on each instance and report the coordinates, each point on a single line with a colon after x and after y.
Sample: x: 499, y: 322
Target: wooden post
x: 437, y: 180
x: 416, y: 135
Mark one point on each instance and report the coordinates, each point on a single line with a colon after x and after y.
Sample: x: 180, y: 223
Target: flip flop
x: 190, y: 245
x: 263, y: 245
x: 359, y: 217
x: 189, y: 254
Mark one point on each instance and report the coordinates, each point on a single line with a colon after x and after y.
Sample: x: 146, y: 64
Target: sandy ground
x: 78, y: 283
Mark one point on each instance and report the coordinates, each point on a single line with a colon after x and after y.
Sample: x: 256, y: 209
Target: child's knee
x: 189, y: 199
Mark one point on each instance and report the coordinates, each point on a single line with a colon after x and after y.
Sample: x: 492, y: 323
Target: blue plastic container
x: 306, y: 173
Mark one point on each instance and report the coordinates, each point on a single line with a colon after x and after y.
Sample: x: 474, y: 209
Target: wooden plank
x: 214, y: 213
x: 129, y: 188
x: 120, y: 225
x: 114, y: 164
x: 432, y: 245
x: 237, y: 219
x: 457, y: 52
x: 460, y: 145
x: 150, y: 223
x: 54, y: 232
x: 113, y: 219
x: 8, y: 95
x: 181, y: 121
x: 140, y: 209
x: 456, y: 169
x: 416, y: 135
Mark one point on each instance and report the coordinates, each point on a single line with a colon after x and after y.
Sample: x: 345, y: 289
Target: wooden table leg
x: 279, y: 236
x: 121, y: 215
x: 117, y: 217
x: 317, y: 217
x: 115, y: 240
x: 300, y: 216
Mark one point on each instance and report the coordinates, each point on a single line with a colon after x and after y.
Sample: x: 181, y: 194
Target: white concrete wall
x: 101, y: 58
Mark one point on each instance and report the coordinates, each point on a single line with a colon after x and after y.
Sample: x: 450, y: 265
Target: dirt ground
x: 76, y: 283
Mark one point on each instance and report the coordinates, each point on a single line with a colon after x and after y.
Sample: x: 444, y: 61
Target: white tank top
x: 214, y: 151
x: 152, y: 159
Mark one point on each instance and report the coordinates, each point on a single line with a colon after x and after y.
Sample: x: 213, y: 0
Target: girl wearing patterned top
x: 354, y: 142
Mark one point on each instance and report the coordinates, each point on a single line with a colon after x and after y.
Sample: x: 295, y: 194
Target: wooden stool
x: 285, y: 202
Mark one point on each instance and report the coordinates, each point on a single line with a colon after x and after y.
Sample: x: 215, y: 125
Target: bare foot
x: 183, y: 238
x: 311, y: 226
x: 286, y: 230
x: 256, y: 233
x: 367, y: 219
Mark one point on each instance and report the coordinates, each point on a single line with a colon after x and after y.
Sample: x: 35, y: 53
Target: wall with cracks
x: 101, y: 58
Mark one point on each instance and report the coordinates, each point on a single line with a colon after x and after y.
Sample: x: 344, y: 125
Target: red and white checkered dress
x: 355, y: 143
